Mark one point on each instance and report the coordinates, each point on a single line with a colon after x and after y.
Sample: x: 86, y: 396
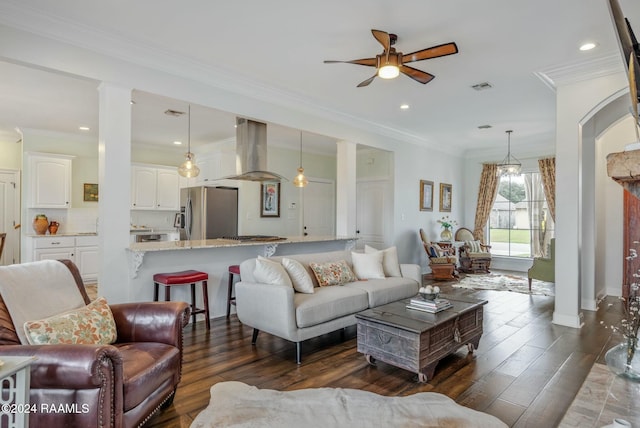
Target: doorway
x: 318, y: 204
x: 10, y: 215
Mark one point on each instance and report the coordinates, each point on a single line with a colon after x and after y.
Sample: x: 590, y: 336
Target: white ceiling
x: 280, y: 46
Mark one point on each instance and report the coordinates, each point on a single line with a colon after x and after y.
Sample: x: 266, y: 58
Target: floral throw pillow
x: 92, y: 324
x: 333, y: 273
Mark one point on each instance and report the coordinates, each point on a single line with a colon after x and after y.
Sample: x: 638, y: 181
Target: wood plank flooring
x: 526, y: 370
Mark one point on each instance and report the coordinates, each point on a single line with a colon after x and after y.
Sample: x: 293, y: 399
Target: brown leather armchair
x: 117, y: 385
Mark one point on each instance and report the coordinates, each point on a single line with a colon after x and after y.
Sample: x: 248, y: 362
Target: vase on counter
x: 40, y: 224
x: 53, y: 227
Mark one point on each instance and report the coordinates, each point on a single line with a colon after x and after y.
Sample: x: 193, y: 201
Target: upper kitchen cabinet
x: 50, y: 180
x: 215, y: 165
x: 155, y: 188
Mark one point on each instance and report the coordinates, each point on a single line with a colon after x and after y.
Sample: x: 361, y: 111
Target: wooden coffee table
x: 416, y: 340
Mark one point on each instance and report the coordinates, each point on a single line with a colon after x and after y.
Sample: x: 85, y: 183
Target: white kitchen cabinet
x: 50, y: 181
x: 216, y: 165
x: 86, y: 257
x: 155, y: 188
x: 82, y: 250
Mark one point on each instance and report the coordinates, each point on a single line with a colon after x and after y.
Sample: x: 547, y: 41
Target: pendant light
x: 300, y: 180
x: 189, y: 168
x: 509, y: 165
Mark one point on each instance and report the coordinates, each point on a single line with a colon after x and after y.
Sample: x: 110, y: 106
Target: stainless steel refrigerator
x: 208, y: 212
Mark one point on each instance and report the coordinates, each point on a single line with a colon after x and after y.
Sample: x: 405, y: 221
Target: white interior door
x: 373, y: 213
x: 10, y: 216
x: 319, y: 212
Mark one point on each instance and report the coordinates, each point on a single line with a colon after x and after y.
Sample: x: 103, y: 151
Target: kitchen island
x: 213, y: 256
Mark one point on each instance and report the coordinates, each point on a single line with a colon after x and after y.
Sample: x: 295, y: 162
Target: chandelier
x: 510, y: 165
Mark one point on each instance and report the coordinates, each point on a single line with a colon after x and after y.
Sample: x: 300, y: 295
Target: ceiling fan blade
x: 383, y: 37
x: 432, y: 52
x: 417, y: 75
x: 371, y: 62
x: 366, y: 82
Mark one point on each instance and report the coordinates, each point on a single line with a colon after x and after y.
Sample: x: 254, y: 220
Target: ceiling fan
x: 390, y: 64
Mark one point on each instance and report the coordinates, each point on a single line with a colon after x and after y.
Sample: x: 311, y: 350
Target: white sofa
x: 279, y: 310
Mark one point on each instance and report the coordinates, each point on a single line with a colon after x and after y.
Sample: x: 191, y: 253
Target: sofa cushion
x: 332, y: 273
x: 368, y: 265
x: 300, y: 278
x: 90, y: 325
x: 146, y: 366
x: 328, y: 303
x: 383, y: 291
x: 390, y: 262
x: 271, y: 272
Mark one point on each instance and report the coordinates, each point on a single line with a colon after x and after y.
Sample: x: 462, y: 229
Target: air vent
x: 484, y: 126
x: 482, y: 86
x: 174, y: 113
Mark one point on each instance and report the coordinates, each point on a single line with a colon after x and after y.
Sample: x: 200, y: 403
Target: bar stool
x: 184, y: 278
x: 231, y: 300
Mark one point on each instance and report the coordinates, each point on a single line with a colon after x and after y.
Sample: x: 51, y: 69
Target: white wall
x: 11, y: 155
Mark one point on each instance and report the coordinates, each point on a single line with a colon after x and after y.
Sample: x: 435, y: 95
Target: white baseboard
x: 574, y: 321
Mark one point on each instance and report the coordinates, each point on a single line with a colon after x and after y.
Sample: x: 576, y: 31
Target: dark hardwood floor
x: 526, y: 370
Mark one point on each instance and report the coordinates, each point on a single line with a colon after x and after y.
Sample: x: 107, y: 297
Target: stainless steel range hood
x: 251, y: 152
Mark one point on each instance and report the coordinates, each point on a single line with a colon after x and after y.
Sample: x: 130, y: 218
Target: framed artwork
x: 270, y: 200
x: 445, y: 197
x: 90, y: 192
x: 426, y: 195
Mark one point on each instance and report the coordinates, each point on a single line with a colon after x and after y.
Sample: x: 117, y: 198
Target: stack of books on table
x: 431, y: 306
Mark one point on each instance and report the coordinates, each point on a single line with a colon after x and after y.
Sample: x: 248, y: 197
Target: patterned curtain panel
x: 548, y: 171
x: 486, y: 197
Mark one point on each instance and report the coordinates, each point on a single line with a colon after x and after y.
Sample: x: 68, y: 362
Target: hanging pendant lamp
x: 300, y: 180
x: 509, y: 165
x: 188, y: 168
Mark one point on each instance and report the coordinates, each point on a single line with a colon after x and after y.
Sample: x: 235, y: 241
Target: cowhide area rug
x: 505, y: 282
x: 235, y: 404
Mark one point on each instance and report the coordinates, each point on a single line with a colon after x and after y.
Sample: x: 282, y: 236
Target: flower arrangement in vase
x: 447, y: 224
x: 624, y: 359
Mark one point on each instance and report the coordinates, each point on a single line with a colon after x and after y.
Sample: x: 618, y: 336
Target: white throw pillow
x: 367, y: 266
x: 299, y: 276
x: 271, y: 272
x: 390, y: 263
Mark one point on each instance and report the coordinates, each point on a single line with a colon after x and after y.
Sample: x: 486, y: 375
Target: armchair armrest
x: 71, y: 366
x: 160, y: 322
x: 266, y: 307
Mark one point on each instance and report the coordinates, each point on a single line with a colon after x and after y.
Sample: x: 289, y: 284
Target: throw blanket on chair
x: 235, y: 404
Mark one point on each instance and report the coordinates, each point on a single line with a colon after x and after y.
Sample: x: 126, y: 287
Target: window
x: 520, y: 223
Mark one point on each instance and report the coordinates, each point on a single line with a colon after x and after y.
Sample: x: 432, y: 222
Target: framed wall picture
x: 445, y: 197
x: 270, y: 200
x: 90, y: 192
x: 426, y: 195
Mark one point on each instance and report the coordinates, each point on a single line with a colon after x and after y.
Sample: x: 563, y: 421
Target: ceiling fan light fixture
x: 388, y: 71
x: 510, y: 165
x: 188, y: 168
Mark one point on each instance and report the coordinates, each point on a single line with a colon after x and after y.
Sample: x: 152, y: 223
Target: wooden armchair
x: 442, y: 261
x: 474, y: 255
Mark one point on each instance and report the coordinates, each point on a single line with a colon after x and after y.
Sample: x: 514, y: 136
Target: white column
x: 346, y: 189
x: 114, y: 175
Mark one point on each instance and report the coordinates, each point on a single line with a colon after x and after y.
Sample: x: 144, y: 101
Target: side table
x: 15, y: 378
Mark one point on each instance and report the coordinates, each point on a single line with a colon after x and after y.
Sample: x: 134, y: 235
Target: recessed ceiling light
x: 84, y: 128
x: 404, y: 106
x: 587, y: 46
x: 177, y: 143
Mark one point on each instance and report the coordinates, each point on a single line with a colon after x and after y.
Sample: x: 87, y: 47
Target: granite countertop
x: 143, y: 247
x: 63, y: 234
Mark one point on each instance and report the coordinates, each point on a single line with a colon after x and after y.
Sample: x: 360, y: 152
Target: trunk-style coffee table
x: 416, y: 340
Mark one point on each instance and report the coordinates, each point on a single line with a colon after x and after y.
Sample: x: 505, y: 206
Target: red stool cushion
x: 184, y: 277
x: 234, y: 269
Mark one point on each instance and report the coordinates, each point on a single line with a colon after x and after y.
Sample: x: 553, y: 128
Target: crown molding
x: 574, y: 72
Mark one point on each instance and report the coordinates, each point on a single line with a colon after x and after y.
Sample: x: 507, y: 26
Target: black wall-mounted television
x: 627, y: 40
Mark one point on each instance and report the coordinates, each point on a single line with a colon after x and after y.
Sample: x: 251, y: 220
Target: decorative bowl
x: 429, y: 296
